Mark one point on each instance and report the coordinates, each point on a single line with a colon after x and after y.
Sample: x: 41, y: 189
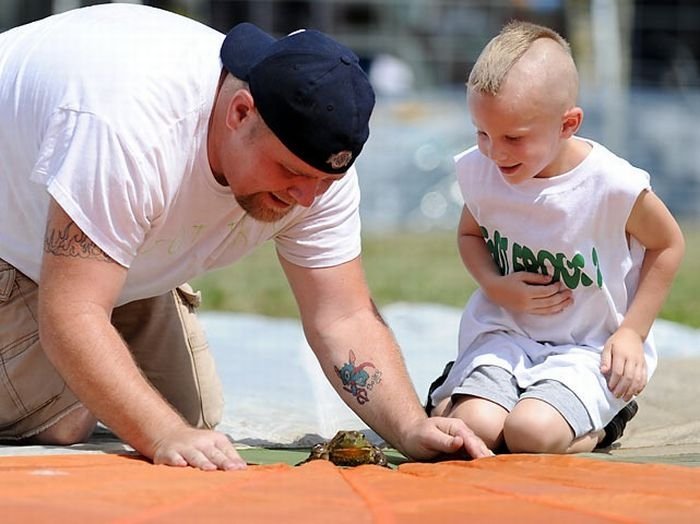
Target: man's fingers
x: 222, y: 456
x: 451, y: 444
x: 229, y: 459
x: 207, y: 460
x: 198, y: 459
x: 170, y: 458
x: 472, y: 444
x: 202, y: 449
x: 476, y: 448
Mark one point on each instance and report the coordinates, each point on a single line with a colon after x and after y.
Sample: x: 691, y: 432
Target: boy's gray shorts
x: 499, y: 386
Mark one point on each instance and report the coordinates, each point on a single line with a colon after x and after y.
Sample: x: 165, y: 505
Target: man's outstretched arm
x: 362, y: 360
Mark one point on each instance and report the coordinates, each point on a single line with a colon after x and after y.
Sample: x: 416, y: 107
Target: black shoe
x: 436, y: 384
x: 616, y: 427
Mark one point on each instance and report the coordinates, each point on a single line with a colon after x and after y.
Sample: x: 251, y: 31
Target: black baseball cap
x: 309, y: 89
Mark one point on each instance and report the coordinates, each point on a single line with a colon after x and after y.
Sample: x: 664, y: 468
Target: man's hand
x: 623, y: 363
x: 532, y: 293
x: 203, y: 449
x: 443, y: 436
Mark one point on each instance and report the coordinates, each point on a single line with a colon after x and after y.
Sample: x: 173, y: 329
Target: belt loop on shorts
x: 192, y: 297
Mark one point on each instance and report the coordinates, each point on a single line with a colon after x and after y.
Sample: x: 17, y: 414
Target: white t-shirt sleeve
x: 329, y: 232
x: 91, y: 174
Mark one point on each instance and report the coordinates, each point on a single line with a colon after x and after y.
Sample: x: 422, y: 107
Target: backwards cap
x: 309, y: 90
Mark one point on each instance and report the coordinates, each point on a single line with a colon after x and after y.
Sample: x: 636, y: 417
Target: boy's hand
x: 532, y: 293
x: 623, y: 363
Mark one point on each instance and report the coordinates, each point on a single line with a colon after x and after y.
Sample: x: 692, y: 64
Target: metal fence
x: 659, y: 40
x: 639, y: 62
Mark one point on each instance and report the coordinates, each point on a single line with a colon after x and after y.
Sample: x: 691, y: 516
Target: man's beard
x: 255, y: 206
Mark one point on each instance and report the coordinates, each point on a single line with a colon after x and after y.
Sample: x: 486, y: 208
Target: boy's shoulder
x: 617, y: 170
x: 468, y: 155
x: 472, y: 160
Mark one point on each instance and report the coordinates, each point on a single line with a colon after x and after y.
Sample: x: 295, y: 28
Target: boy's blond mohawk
x: 504, y: 50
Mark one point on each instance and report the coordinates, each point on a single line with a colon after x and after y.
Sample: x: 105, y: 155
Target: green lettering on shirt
x: 571, y: 271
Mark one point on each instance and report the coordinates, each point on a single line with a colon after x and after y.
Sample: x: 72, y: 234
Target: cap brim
x: 243, y: 47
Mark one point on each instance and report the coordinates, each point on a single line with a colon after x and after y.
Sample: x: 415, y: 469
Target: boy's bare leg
x: 442, y: 408
x: 483, y: 417
x: 586, y: 443
x: 534, y: 426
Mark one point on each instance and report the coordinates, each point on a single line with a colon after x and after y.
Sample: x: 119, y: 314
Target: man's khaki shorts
x: 163, y: 334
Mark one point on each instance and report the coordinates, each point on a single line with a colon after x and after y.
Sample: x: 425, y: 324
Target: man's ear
x: 571, y: 121
x: 240, y: 108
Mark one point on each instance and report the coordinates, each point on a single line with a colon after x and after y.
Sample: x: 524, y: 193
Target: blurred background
x: 639, y: 62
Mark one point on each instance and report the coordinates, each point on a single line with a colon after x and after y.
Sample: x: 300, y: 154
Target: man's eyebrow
x: 323, y: 176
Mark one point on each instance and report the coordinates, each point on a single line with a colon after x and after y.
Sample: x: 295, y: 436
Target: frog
x: 348, y: 448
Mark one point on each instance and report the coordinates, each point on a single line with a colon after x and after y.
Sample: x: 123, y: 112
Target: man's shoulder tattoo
x: 70, y: 241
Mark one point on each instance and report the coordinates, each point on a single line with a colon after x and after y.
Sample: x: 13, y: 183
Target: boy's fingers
x: 605, y: 359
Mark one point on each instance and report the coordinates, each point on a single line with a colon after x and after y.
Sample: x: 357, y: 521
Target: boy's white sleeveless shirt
x: 571, y: 226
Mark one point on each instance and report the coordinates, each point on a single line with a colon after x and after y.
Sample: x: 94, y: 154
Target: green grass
x: 683, y: 303
x: 406, y: 267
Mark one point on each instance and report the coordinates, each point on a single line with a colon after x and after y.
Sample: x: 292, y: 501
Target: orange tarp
x: 101, y: 488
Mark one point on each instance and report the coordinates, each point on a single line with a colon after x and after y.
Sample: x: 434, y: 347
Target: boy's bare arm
x: 652, y: 224
x: 622, y: 360
x: 473, y: 251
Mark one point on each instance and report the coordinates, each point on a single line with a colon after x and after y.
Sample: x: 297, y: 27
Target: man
x: 139, y: 149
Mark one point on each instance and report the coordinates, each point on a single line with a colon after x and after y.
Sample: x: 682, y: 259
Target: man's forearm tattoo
x: 72, y: 242
x: 356, y: 380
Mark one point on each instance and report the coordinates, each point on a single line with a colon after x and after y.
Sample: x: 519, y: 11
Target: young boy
x: 557, y: 340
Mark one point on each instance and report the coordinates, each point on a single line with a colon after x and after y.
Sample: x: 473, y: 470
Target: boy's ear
x: 571, y: 121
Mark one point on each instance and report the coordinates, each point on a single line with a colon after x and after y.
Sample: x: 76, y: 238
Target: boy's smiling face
x: 525, y: 126
x: 523, y: 142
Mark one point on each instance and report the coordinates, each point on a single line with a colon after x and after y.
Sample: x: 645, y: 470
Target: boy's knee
x: 531, y: 435
x: 483, y: 417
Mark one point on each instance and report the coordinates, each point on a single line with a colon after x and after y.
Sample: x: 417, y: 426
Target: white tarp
x: 276, y: 393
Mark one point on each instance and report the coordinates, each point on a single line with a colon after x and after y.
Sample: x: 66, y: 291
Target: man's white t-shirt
x: 106, y: 109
